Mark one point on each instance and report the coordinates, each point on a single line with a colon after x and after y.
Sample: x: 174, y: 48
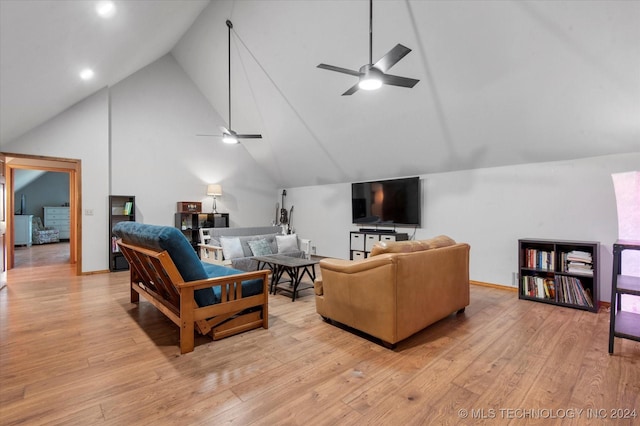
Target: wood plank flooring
x: 41, y: 255
x: 75, y: 351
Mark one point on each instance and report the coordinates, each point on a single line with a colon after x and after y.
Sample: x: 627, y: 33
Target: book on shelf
x: 577, y: 261
x: 539, y: 287
x: 571, y: 291
x: 115, y: 248
x: 128, y: 207
x: 539, y: 259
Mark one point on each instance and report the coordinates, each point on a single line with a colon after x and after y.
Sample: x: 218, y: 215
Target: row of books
x: 539, y: 259
x: 540, y: 287
x: 128, y: 207
x: 577, y: 261
x: 571, y: 290
x: 115, y: 248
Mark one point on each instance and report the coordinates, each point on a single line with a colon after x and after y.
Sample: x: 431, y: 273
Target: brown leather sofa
x: 400, y: 289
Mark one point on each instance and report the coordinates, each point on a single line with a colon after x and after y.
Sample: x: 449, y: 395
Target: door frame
x: 50, y: 164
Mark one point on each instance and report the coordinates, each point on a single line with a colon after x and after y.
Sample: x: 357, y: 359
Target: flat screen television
x: 392, y: 202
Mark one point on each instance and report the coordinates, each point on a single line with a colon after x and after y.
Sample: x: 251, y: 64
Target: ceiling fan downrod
x: 229, y: 25
x: 370, y: 32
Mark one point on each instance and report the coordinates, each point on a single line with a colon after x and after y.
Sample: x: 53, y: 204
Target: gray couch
x: 217, y: 245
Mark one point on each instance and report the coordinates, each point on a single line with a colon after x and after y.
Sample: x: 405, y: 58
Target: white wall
x: 49, y: 189
x: 156, y: 155
x: 147, y: 123
x: 490, y: 209
x: 81, y: 132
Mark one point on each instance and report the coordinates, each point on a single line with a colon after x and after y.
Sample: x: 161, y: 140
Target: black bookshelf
x: 563, y: 273
x: 191, y: 222
x: 121, y: 208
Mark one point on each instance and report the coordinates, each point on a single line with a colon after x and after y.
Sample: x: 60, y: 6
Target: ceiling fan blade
x: 394, y: 80
x: 249, y: 136
x: 353, y: 89
x: 339, y: 69
x: 392, y: 57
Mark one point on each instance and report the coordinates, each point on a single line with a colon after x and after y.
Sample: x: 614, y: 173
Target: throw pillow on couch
x: 287, y: 243
x: 231, y: 247
x: 260, y: 247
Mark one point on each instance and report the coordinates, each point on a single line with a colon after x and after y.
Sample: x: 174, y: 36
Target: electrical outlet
x: 514, y: 279
x: 88, y: 212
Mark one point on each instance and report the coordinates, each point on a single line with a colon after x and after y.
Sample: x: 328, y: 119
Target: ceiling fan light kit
x: 229, y: 138
x: 372, y: 76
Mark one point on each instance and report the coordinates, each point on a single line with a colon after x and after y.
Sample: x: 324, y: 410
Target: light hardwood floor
x: 41, y: 255
x: 75, y: 351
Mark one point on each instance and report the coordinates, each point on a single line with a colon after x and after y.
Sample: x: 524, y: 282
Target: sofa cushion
x: 287, y: 243
x: 160, y: 238
x: 411, y: 246
x: 231, y: 247
x: 211, y: 296
x: 260, y: 247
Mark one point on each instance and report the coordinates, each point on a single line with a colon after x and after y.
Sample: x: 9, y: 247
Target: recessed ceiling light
x: 86, y: 74
x: 106, y: 8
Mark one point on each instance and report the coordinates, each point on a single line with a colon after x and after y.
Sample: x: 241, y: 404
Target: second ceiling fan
x: 372, y: 76
x: 228, y: 135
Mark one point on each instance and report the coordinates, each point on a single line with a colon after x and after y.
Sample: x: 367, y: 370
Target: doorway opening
x: 41, y: 218
x: 17, y: 163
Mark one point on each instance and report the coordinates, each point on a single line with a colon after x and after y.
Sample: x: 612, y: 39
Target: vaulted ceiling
x: 501, y: 82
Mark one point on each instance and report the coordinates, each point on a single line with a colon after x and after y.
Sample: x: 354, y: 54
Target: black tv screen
x: 386, y: 202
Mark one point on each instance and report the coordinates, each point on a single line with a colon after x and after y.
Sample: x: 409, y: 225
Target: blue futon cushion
x: 156, y: 237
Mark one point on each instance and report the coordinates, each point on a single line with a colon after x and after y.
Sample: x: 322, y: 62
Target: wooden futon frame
x: 156, y: 278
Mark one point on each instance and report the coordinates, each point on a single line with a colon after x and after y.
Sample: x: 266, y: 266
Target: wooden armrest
x: 212, y: 254
x: 304, y: 244
x: 209, y: 246
x: 218, y: 281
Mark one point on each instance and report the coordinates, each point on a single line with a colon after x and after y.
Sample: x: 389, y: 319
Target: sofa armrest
x: 304, y: 245
x: 360, y: 294
x: 212, y: 254
x: 354, y: 267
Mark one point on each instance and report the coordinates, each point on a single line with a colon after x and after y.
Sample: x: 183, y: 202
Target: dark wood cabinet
x: 561, y: 273
x: 191, y: 222
x: 121, y: 208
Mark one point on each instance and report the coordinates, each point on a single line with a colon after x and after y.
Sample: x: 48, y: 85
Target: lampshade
x: 214, y: 189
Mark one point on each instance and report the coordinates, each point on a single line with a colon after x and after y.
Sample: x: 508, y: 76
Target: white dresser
x: 22, y: 229
x: 58, y: 217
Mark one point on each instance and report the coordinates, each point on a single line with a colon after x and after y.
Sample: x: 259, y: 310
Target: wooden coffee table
x: 294, y: 267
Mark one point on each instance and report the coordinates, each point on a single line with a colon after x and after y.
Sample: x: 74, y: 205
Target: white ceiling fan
x: 228, y: 135
x: 372, y: 76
